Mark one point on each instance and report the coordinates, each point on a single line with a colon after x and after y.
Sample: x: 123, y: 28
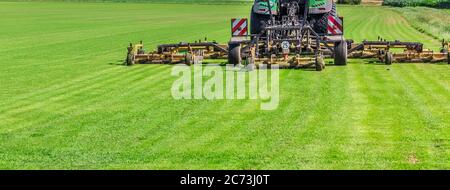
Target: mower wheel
x: 130, y: 60
x: 448, y: 58
x: 251, y: 67
x: 234, y: 54
x: 340, y: 53
x: 389, y: 58
x: 320, y: 63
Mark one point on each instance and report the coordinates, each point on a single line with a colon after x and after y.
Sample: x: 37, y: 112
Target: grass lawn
x: 67, y: 103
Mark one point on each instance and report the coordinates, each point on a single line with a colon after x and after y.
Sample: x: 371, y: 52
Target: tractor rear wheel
x: 189, y: 59
x: 256, y: 22
x: 340, y: 53
x: 389, y: 58
x: 234, y: 54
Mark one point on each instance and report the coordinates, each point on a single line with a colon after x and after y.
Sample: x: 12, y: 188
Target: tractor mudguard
x: 320, y: 6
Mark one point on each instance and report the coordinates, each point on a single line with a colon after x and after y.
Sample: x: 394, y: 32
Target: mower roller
x: 290, y: 34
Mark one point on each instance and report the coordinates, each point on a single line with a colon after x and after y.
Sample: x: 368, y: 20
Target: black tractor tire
x: 321, y: 21
x: 234, y: 54
x: 340, y: 53
x: 388, y: 58
x: 256, y: 22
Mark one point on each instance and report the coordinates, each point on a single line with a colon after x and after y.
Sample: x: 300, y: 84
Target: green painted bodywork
x: 261, y: 7
x: 312, y: 3
x: 317, y: 3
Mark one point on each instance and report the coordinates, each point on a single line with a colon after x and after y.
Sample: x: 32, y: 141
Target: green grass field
x: 67, y: 103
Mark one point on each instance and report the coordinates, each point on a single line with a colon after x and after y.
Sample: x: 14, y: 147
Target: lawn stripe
x: 421, y: 113
x: 54, y: 99
x: 71, y: 131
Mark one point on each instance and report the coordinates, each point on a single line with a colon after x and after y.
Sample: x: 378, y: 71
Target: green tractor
x: 318, y: 13
x: 299, y: 33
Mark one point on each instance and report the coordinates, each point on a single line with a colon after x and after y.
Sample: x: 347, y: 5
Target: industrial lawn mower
x: 289, y: 34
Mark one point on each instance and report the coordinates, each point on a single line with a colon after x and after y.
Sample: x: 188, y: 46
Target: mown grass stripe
x: 420, y: 113
x: 54, y: 98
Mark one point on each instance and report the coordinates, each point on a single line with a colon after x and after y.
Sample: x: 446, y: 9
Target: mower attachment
x: 187, y: 53
x: 385, y: 51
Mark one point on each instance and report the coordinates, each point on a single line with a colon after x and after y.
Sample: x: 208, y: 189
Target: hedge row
x: 414, y: 3
x: 352, y: 2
